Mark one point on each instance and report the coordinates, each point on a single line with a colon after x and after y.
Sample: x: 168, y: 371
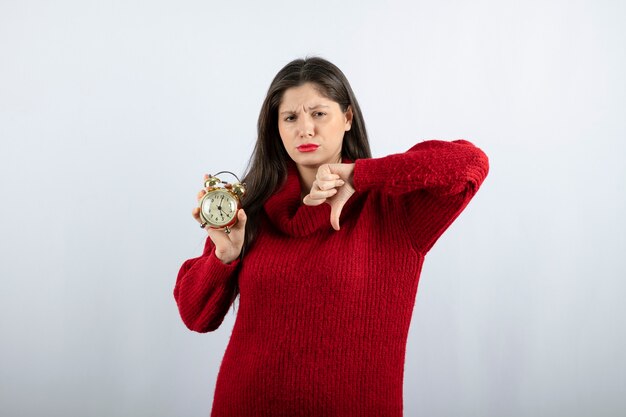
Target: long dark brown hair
x: 267, y: 168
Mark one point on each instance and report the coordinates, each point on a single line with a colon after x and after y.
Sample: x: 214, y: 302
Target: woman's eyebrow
x: 310, y: 108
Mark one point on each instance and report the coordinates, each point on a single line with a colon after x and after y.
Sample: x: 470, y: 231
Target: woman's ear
x: 348, y: 115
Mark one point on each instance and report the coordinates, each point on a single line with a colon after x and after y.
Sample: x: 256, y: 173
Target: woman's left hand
x: 333, y: 185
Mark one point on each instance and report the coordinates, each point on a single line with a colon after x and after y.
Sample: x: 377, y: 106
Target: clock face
x: 219, y: 207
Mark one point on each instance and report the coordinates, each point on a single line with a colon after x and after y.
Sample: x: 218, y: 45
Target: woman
x: 326, y: 290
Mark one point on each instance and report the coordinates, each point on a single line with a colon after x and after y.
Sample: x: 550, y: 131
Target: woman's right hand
x: 227, y: 246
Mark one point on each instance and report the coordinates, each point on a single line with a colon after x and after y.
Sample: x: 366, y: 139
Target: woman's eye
x: 290, y: 118
x: 319, y: 113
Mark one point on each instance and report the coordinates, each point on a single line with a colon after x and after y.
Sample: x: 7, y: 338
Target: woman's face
x: 312, y: 126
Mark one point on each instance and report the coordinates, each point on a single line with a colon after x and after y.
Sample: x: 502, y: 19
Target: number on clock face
x: 220, y: 208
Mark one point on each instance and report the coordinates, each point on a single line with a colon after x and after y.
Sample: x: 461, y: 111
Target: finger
x: 196, y: 214
x: 326, y: 176
x: 200, y: 194
x: 327, y: 185
x: 309, y: 201
x: 315, y: 198
x: 323, y: 194
x: 323, y: 170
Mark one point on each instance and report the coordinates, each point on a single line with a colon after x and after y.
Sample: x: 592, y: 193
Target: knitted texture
x: 323, y: 315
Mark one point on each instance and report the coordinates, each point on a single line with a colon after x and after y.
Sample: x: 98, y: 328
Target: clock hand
x: 219, y: 205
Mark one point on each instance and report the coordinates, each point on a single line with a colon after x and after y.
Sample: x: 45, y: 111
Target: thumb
x: 335, y: 212
x: 238, y: 230
x: 242, y: 218
x: 241, y: 215
x: 337, y: 202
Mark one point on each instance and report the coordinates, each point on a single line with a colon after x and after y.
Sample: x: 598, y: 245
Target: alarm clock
x: 219, y: 206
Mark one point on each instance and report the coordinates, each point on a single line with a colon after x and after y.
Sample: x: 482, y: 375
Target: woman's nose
x: 306, y: 126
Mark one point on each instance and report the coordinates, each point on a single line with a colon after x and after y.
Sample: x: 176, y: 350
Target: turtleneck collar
x: 287, y: 213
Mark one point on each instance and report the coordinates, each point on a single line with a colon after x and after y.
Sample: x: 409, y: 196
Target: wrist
x: 224, y: 258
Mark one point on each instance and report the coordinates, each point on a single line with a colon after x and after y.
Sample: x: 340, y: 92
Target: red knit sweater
x: 323, y: 315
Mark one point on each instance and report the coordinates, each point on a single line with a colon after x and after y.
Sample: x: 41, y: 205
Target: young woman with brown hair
x: 326, y: 291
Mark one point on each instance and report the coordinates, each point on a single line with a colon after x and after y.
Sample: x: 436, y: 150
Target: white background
x: 111, y: 112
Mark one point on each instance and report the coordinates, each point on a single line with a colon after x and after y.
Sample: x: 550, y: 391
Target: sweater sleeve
x: 433, y: 181
x: 205, y: 289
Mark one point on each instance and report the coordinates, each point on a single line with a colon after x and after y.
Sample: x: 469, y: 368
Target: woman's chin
x: 314, y: 160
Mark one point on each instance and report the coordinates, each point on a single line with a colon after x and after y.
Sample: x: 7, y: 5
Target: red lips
x: 307, y: 147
